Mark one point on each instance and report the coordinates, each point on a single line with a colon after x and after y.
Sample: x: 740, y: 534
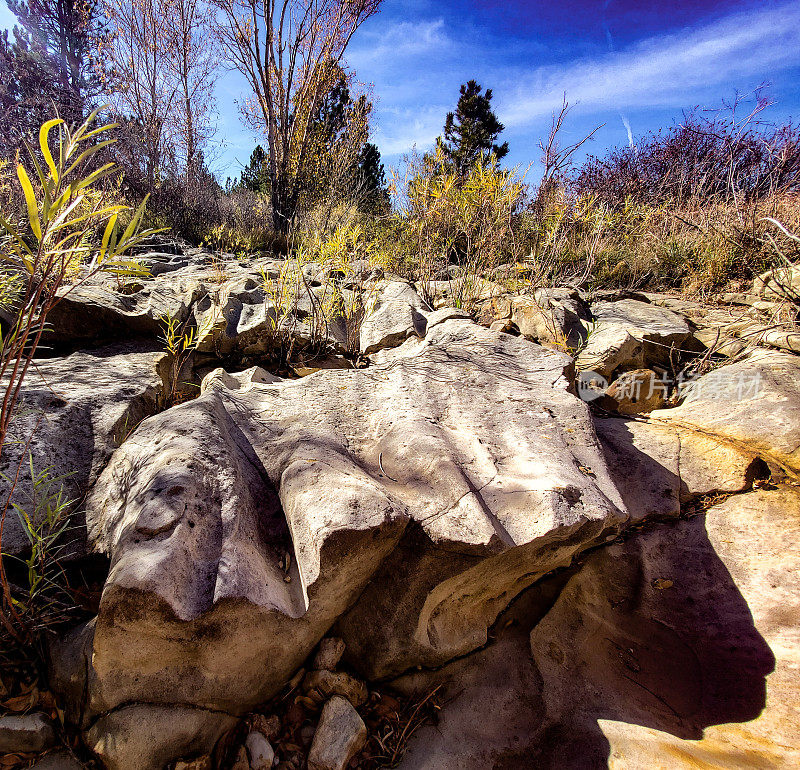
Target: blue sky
x: 620, y: 61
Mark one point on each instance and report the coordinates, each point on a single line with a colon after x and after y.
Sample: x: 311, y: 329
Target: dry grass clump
x: 700, y: 247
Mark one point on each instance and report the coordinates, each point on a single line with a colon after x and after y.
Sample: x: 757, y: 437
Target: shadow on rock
x: 650, y: 632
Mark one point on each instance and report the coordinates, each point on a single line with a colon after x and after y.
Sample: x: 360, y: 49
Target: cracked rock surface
x: 421, y: 495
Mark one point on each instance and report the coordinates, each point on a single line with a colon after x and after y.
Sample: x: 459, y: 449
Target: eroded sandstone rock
x: 631, y: 334
x: 752, y: 406
x: 398, y: 313
x: 677, y: 647
x: 637, y: 392
x: 446, y: 480
x: 72, y: 414
x: 557, y: 317
x: 100, y: 311
x: 661, y: 646
x: 147, y: 737
x: 658, y: 467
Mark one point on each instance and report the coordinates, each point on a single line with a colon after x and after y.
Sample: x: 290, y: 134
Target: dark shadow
x: 660, y: 637
x: 649, y: 631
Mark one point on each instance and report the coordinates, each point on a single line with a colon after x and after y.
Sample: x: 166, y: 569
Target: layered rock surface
x: 632, y: 334
x: 677, y: 647
x: 444, y: 483
x: 72, y: 414
x: 407, y: 504
x: 751, y: 406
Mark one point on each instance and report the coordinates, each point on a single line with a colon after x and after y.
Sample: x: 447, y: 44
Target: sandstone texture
x: 353, y: 495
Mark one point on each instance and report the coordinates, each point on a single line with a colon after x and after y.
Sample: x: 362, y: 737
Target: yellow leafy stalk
x: 112, y: 223
x: 30, y: 200
x: 44, y: 145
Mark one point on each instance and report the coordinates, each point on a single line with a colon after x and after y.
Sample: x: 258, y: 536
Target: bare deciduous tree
x: 145, y: 89
x: 557, y: 159
x: 290, y: 51
x: 196, y: 68
x: 166, y: 72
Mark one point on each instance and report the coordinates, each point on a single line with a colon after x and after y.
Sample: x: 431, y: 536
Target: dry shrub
x: 320, y: 222
x: 685, y: 208
x: 724, y: 156
x: 699, y: 247
x: 242, y: 224
x: 445, y: 220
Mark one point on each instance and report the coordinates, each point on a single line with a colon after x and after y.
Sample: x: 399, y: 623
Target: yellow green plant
x: 56, y: 234
x: 295, y: 309
x: 41, y: 595
x: 466, y: 220
x: 180, y: 340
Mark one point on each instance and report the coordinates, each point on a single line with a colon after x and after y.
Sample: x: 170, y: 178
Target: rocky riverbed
x: 362, y: 527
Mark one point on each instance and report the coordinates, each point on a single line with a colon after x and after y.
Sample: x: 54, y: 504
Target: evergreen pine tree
x: 255, y: 175
x: 371, y: 176
x: 471, y: 131
x: 52, y: 64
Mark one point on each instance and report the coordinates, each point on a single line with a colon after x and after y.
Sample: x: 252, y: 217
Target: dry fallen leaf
x: 20, y: 702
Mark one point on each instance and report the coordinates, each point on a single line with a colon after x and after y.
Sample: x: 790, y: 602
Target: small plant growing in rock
x: 39, y: 595
x: 179, y: 342
x: 287, y: 293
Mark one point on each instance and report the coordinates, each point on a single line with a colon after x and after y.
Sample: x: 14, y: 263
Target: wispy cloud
x: 399, y: 131
x: 388, y: 45
x: 416, y: 68
x: 666, y: 71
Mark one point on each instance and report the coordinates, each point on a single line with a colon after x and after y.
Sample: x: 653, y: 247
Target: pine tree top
x: 471, y: 131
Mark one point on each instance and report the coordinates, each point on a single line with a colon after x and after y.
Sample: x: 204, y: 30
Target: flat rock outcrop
x: 99, y: 311
x: 590, y: 584
x: 751, y: 405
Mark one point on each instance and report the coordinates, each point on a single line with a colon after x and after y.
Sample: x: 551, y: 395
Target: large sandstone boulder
x: 629, y: 334
x: 195, y: 291
x: 397, y: 313
x: 72, y: 414
x: 147, y: 737
x: 422, y: 494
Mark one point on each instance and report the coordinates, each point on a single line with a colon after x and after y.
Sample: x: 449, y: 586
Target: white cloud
x: 401, y: 130
x: 386, y: 45
x: 665, y: 71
